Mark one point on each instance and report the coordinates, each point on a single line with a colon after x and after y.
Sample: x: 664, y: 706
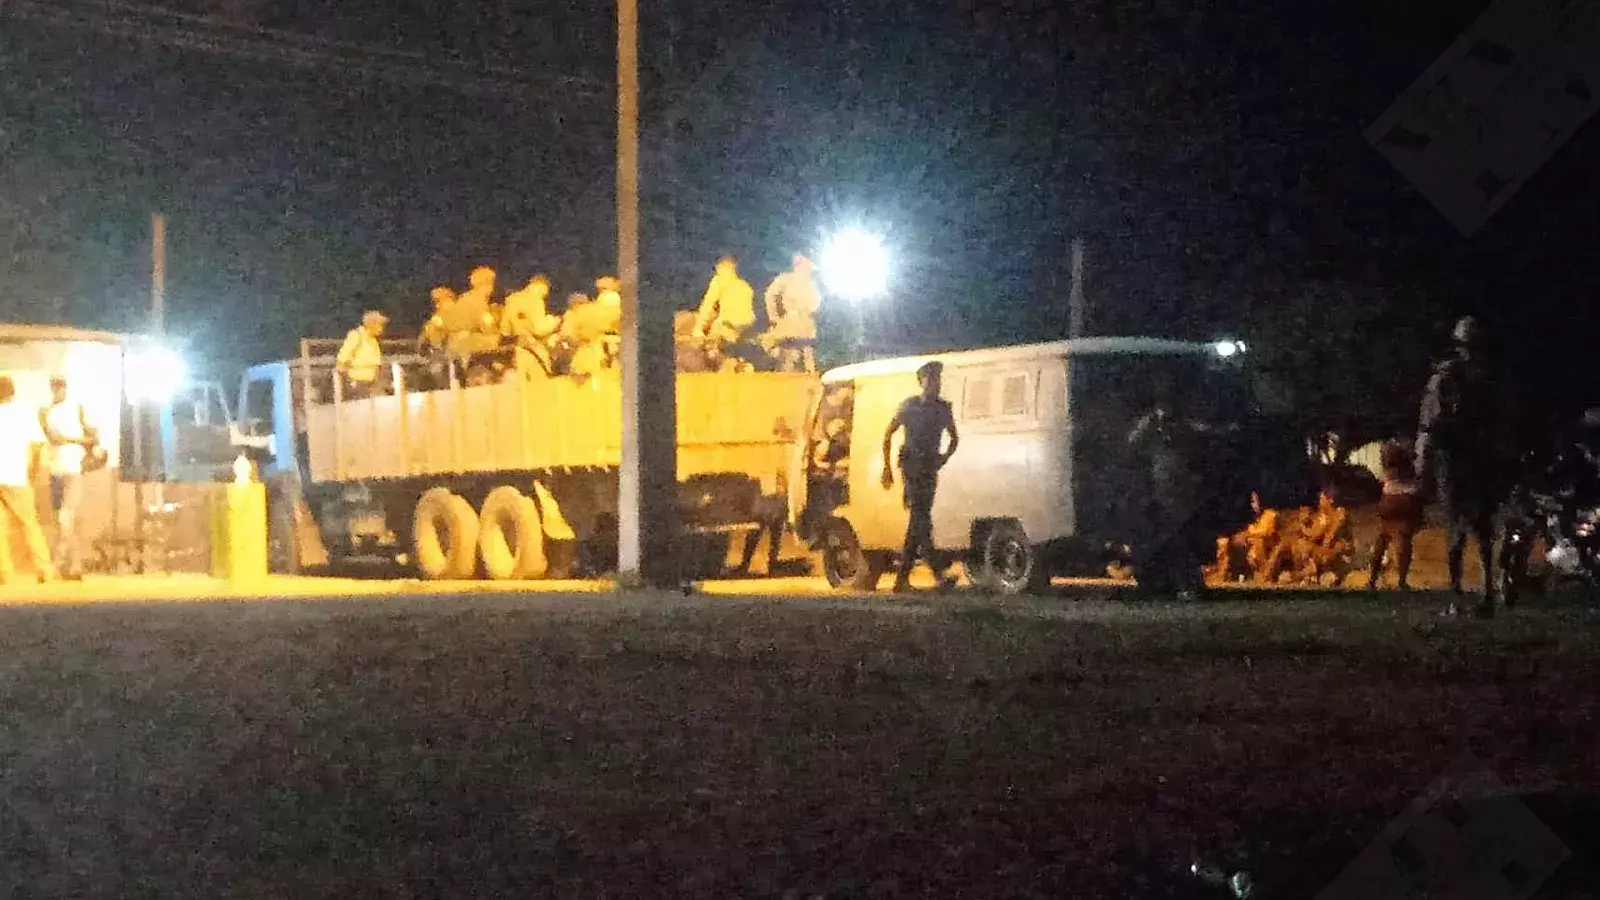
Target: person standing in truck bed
x: 360, y: 358
x: 728, y: 309
x: 792, y: 303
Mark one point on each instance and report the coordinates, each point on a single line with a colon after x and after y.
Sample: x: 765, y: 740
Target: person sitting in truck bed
x: 434, y: 341
x: 580, y: 351
x: 470, y: 322
x: 608, y: 297
x: 527, y: 322
x: 688, y: 345
x: 526, y: 318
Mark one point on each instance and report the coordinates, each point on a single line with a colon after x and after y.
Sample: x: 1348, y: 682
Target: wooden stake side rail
x: 727, y: 422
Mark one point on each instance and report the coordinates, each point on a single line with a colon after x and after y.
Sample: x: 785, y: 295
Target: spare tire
x: 510, y: 536
x: 444, y: 534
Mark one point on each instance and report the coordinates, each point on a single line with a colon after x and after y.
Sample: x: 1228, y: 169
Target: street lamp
x: 153, y: 374
x: 1228, y: 349
x: 855, y: 265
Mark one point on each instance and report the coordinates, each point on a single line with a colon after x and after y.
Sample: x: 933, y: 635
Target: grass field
x: 660, y: 746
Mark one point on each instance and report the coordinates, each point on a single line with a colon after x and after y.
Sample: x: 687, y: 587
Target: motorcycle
x: 1558, y: 503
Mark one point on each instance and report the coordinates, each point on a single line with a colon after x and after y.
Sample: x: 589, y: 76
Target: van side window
x: 977, y: 396
x: 1014, y: 395
x: 830, y: 433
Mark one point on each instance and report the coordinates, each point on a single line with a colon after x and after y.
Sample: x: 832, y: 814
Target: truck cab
x: 267, y: 427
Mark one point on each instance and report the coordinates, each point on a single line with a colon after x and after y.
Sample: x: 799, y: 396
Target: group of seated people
x: 1302, y: 546
x: 473, y: 339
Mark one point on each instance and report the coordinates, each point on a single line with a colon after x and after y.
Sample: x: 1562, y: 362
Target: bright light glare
x: 1226, y: 349
x: 855, y: 265
x: 154, y: 374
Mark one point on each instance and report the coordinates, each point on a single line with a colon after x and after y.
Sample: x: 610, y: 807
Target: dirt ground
x: 655, y: 745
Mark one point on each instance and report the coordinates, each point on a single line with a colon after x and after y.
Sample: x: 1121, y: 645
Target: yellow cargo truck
x: 514, y: 480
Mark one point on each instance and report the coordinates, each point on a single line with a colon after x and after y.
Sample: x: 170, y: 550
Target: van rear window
x: 1014, y: 395
x: 976, y: 398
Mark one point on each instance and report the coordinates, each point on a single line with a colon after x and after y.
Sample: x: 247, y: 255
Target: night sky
x: 1210, y: 154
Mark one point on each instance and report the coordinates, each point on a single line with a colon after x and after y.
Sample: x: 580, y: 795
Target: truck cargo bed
x: 727, y: 422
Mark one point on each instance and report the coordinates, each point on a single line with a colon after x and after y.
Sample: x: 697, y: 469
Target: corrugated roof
x: 63, y: 333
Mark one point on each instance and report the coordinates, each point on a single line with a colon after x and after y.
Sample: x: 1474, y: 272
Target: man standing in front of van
x: 925, y: 417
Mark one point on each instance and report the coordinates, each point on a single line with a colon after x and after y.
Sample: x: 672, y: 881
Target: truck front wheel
x: 511, y: 537
x: 845, y: 563
x: 444, y: 534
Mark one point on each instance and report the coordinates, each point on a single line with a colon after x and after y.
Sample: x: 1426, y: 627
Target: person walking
x: 20, y: 442
x: 926, y: 418
x: 71, y: 440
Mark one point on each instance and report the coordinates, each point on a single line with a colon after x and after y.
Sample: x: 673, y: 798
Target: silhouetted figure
x: 926, y: 418
x: 1459, y: 455
x: 1171, y: 450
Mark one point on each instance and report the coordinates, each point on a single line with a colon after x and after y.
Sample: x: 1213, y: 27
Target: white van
x: 1043, y: 482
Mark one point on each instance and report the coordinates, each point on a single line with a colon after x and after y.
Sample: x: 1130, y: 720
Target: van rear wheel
x: 1008, y: 563
x: 844, y: 563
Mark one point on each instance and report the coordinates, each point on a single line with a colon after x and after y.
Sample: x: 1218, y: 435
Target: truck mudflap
x: 721, y: 503
x: 293, y: 537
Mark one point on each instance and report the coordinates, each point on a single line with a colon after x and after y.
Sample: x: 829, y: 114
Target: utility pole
x: 648, y: 482
x: 158, y: 274
x: 140, y: 410
x: 1076, y: 313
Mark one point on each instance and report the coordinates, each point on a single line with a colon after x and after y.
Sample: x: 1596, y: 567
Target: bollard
x: 239, y: 530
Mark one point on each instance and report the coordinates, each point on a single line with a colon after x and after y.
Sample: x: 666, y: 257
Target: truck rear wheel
x: 444, y: 534
x: 511, y: 537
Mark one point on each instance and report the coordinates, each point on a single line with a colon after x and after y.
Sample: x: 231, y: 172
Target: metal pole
x: 1075, y: 309
x: 158, y: 314
x: 158, y: 274
x: 648, y: 480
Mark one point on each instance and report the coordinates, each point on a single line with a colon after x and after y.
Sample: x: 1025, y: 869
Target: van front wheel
x: 844, y: 563
x: 1008, y: 563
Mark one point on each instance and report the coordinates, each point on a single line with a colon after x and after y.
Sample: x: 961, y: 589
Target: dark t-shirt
x: 925, y: 422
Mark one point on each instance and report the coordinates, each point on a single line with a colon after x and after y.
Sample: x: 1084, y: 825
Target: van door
x: 992, y: 475
x: 878, y: 516
x: 820, y: 481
